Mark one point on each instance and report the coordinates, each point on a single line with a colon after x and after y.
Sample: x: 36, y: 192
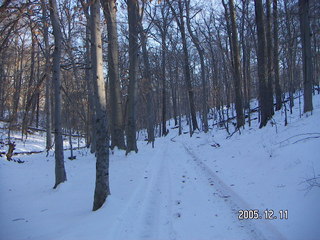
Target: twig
x: 311, y: 182
x: 301, y: 134
x: 305, y: 139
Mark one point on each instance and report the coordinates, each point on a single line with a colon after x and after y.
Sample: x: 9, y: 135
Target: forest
x: 105, y: 76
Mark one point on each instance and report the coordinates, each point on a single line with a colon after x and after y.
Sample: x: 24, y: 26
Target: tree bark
x: 133, y: 15
x: 17, y: 84
x: 28, y: 101
x: 47, y: 74
x: 91, y: 120
x: 269, y: 57
x: 117, y: 126
x: 147, y: 85
x: 163, y: 75
x: 276, y: 56
x: 102, y: 189
x: 200, y: 51
x: 59, y: 159
x: 262, y: 68
x: 306, y: 54
x: 173, y: 89
x: 236, y: 66
x: 180, y: 22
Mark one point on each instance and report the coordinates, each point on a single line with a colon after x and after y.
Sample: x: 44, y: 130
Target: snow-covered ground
x: 184, y: 188
x: 35, y: 142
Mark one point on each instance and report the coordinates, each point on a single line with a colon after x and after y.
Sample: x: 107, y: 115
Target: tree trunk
x: 17, y: 84
x: 290, y: 53
x: 180, y: 22
x: 91, y: 118
x: 102, y: 189
x: 147, y: 85
x: 47, y: 74
x: 2, y: 89
x: 269, y: 57
x: 276, y: 56
x: 117, y: 134
x: 174, y: 94
x: 236, y: 65
x: 200, y: 51
x: 28, y: 101
x: 133, y: 13
x: 262, y: 68
x: 306, y: 54
x: 163, y: 76
x: 59, y: 161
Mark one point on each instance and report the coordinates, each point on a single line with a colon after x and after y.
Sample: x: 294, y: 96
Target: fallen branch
x: 301, y: 134
x: 312, y: 182
x: 305, y: 139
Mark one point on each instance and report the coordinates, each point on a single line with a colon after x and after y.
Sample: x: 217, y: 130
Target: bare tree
x: 102, y: 189
x: 269, y: 57
x: 133, y: 19
x: 276, y: 55
x: 117, y: 126
x: 91, y: 139
x: 163, y: 25
x: 306, y: 54
x: 147, y: 81
x: 47, y: 73
x: 59, y: 159
x: 181, y: 22
x: 236, y: 66
x: 200, y: 49
x: 262, y: 61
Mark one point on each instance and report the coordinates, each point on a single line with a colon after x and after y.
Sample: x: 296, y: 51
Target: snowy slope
x: 35, y: 142
x: 184, y: 188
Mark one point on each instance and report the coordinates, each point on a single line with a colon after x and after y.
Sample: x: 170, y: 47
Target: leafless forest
x: 107, y: 69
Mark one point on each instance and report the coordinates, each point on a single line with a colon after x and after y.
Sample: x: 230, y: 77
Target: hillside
x: 184, y: 188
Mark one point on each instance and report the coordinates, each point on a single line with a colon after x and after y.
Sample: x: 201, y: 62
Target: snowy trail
x: 258, y: 229
x: 148, y: 212
x: 179, y: 197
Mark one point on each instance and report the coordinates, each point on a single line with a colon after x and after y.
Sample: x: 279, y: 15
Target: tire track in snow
x: 258, y: 229
x: 157, y: 215
x: 197, y: 213
x: 148, y: 211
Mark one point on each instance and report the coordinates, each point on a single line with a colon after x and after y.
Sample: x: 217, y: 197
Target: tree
x: 59, y: 159
x: 276, y: 56
x: 200, y: 51
x: 306, y: 54
x: 102, y: 189
x: 147, y: 82
x: 133, y: 19
x: 117, y: 135
x: 180, y: 21
x: 163, y: 25
x: 47, y: 73
x: 236, y: 66
x: 269, y: 58
x: 91, y: 139
x: 291, y: 46
x: 262, y: 61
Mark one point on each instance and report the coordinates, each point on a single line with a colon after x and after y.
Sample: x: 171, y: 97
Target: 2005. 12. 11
x: 268, y: 214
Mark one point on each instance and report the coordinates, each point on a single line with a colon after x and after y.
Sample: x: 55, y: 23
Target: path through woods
x: 180, y: 197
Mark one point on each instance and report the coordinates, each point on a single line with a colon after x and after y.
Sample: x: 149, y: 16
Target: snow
x: 184, y: 188
x: 34, y: 142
